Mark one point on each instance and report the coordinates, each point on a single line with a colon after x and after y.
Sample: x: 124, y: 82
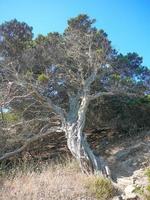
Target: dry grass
x: 62, y: 182
x: 55, y: 182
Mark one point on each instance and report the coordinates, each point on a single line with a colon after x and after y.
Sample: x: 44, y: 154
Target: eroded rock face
x: 127, y: 185
x: 129, y: 162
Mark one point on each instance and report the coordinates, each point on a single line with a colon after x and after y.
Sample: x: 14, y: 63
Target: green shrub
x: 100, y: 188
x: 11, y: 117
x: 43, y: 78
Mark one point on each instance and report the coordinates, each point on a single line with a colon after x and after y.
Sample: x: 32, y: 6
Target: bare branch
x: 44, y: 119
x: 95, y: 96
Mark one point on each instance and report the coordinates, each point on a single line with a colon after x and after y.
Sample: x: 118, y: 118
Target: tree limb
x: 95, y: 96
x: 44, y: 119
x: 29, y: 141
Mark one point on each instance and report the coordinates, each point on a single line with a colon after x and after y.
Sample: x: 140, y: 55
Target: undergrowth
x: 55, y: 181
x: 100, y: 188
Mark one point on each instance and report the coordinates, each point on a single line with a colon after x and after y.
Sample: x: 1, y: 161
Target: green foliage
x: 43, y: 78
x: 116, y: 77
x: 139, y: 190
x: 100, y: 187
x: 146, y: 99
x: 40, y: 39
x: 128, y: 115
x: 11, y: 117
x: 99, y: 50
x: 31, y: 44
x: 16, y: 36
x: 81, y: 22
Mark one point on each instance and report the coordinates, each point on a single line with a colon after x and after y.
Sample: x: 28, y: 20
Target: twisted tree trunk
x: 79, y: 147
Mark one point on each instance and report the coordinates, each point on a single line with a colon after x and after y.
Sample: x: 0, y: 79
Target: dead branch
x: 17, y: 97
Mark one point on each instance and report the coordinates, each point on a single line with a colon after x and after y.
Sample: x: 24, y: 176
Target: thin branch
x: 18, y: 97
x: 28, y: 107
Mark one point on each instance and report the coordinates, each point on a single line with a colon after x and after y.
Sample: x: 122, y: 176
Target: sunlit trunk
x: 79, y: 147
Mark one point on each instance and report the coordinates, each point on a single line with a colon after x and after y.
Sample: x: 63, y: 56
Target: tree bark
x: 79, y: 147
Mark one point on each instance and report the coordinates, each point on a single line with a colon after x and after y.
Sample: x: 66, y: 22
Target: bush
x: 124, y: 114
x: 43, y: 78
x: 100, y: 188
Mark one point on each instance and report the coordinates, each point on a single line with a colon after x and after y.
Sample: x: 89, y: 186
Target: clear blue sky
x: 127, y: 22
